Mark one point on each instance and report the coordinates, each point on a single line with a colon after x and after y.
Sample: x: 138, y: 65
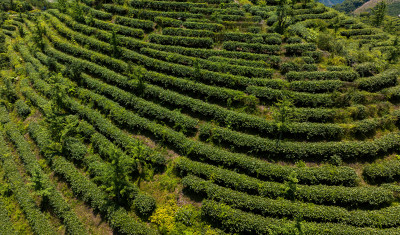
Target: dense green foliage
x: 198, y: 117
x: 349, y: 6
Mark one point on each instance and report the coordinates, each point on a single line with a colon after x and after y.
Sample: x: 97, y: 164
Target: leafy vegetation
x: 198, y: 117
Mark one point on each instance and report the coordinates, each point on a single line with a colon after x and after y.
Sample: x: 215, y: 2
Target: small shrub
x: 164, y: 217
x: 292, y: 40
x: 144, y: 205
x: 254, y: 30
x: 329, y: 43
x: 335, y: 160
x: 74, y: 148
x: 367, y: 69
x: 22, y: 108
x: 188, y: 215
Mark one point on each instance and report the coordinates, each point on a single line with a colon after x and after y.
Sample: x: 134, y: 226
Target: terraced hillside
x: 199, y: 117
x: 392, y: 8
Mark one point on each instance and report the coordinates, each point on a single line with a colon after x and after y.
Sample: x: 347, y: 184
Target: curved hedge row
x: 167, y: 22
x: 263, y: 11
x: 300, y: 99
x: 299, y: 48
x: 385, y: 172
x: 166, y: 5
x: 330, y: 175
x: 204, y: 26
x: 181, y: 41
x: 321, y: 86
x: 313, y: 10
x: 379, y: 82
x: 97, y: 13
x: 350, y: 150
x: 34, y: 98
x: 227, y: 10
x: 118, y: 218
x: 4, y: 118
x: 273, y: 60
x: 366, y: 69
x: 347, y: 76
x: 205, y: 64
x: 9, y: 27
x: 320, y: 194
x: 237, y: 221
x: 146, y: 25
x: 290, y: 66
x: 384, y: 218
x: 248, y: 63
x: 369, y: 38
x: 322, y: 115
x: 205, y: 76
x: 187, y: 32
x: 392, y: 93
x: 251, y: 47
x: 271, y: 39
x: 356, y: 32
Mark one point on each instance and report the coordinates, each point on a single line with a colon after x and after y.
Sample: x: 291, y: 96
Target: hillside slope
x: 330, y: 3
x: 393, y: 7
x: 348, y: 6
x: 197, y: 117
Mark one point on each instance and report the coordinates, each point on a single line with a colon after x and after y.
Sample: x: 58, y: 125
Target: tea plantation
x: 197, y: 117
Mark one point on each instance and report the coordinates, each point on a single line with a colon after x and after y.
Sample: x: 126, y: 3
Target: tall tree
x: 7, y: 91
x: 41, y: 186
x: 77, y: 11
x: 336, y: 24
x: 62, y: 5
x: 283, y: 11
x: 74, y: 71
x: 291, y: 185
x: 115, y: 177
x: 38, y: 34
x: 394, y: 52
x: 114, y: 41
x: 378, y: 13
x: 137, y: 73
x: 283, y: 114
